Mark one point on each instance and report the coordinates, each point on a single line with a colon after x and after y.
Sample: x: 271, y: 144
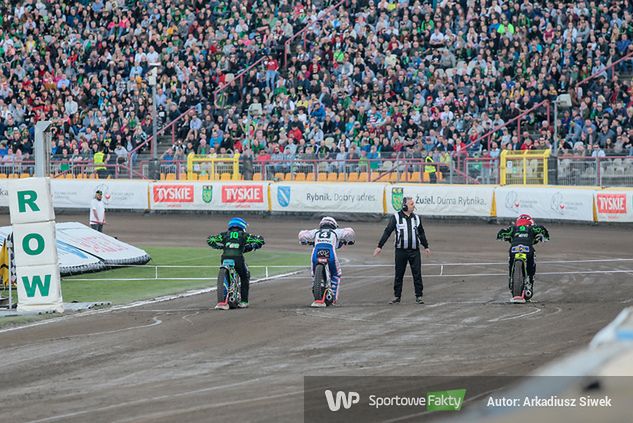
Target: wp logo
x: 346, y: 399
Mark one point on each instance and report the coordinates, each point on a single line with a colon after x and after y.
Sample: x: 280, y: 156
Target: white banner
x: 110, y: 250
x: 117, y: 194
x: 614, y: 205
x: 555, y: 203
x: 442, y: 200
x: 211, y: 195
x: 327, y: 197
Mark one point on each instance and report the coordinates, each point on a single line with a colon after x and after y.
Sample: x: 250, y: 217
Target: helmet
x: 237, y: 222
x: 328, y: 221
x: 524, y: 220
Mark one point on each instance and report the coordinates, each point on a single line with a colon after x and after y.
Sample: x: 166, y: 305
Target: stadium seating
x: 450, y: 106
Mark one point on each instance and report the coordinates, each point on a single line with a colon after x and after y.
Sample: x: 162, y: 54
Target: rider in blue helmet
x: 234, y: 243
x: 238, y: 223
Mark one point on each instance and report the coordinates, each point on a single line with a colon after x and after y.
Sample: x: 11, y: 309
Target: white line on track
x: 186, y: 317
x: 500, y: 263
x: 135, y: 304
x: 473, y: 275
x: 514, y: 316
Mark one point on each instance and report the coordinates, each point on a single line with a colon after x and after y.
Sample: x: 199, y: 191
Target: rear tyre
x: 234, y: 292
x: 518, y: 276
x: 318, y: 284
x: 223, y: 276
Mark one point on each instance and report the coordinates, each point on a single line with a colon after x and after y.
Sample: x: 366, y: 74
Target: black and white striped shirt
x: 409, y: 232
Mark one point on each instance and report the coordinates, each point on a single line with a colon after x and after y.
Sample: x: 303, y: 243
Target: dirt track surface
x: 182, y: 361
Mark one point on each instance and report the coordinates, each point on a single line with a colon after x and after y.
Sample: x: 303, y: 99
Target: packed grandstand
x: 326, y: 90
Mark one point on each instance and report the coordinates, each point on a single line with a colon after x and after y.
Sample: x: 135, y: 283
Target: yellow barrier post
x: 236, y: 166
x: 534, y: 171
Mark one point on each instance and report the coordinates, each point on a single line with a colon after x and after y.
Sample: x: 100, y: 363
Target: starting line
x: 267, y: 269
x: 441, y: 275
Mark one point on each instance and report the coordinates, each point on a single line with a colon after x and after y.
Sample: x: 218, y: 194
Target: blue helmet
x: 238, y: 222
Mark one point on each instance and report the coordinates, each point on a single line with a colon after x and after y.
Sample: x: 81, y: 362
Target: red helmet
x: 524, y: 220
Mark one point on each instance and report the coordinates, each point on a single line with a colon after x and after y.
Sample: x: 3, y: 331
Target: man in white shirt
x: 97, y: 212
x: 597, y: 151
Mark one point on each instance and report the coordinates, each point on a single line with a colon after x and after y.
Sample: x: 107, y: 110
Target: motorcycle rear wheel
x: 518, y: 277
x: 234, y: 288
x: 222, y: 291
x: 319, y: 282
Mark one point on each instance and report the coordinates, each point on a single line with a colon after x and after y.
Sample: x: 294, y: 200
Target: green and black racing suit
x: 234, y: 243
x: 529, y: 235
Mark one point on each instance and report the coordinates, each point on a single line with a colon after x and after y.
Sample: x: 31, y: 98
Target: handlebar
x: 340, y: 243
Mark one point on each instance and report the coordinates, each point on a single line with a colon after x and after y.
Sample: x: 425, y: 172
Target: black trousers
x: 415, y: 261
x: 97, y: 226
x: 242, y: 270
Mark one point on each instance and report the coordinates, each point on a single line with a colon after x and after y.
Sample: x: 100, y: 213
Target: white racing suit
x: 331, y: 240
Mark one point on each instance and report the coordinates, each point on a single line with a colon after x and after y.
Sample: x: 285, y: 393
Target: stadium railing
x: 598, y: 171
x: 488, y: 136
x: 171, y: 126
x: 607, y: 69
x: 357, y: 170
x: 616, y: 171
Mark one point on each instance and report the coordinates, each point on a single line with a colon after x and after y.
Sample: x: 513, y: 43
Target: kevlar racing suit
x: 234, y: 243
x: 527, y: 235
x: 330, y: 240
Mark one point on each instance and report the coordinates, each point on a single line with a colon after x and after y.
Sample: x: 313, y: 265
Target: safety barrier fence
x: 600, y: 171
x: 587, y: 204
x: 613, y: 171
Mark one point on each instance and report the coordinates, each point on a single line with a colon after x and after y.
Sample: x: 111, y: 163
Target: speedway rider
x: 328, y: 237
x: 234, y: 243
x: 524, y: 232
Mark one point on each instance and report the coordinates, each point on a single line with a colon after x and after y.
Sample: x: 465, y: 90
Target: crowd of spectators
x: 84, y: 65
x: 371, y: 80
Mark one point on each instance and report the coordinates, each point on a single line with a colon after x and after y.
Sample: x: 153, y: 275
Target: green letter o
x: 40, y: 244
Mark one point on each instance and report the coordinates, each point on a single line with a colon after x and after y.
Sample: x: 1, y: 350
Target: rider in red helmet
x: 525, y: 232
x: 525, y: 220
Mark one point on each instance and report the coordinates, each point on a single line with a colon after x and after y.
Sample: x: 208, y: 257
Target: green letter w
x: 37, y: 284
